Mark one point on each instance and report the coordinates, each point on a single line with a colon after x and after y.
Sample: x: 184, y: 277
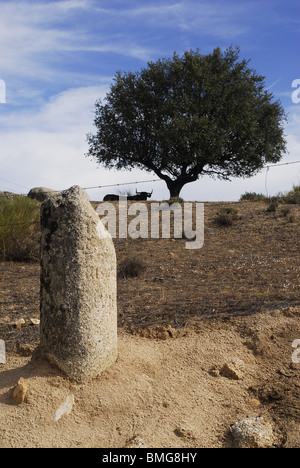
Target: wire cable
x: 124, y: 183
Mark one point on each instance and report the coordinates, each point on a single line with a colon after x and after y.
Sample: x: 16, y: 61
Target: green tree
x: 190, y: 116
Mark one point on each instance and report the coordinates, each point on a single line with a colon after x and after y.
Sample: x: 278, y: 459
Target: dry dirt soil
x: 186, y: 315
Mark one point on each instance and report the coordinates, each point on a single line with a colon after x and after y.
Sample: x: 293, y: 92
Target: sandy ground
x: 165, y: 392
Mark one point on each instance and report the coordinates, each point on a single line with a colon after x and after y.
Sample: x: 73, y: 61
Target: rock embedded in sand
x: 252, y: 433
x: 233, y: 370
x: 135, y: 442
x: 185, y: 432
x: 19, y: 392
x: 19, y: 323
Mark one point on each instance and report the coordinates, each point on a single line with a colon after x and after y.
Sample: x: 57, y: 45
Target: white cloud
x: 47, y: 146
x: 218, y: 18
x: 28, y: 38
x: 66, y: 111
x: 33, y: 35
x: 36, y: 37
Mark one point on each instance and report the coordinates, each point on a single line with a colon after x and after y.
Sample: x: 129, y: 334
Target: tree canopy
x: 189, y: 116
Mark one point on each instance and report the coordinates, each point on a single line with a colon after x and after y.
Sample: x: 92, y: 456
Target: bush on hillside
x: 19, y: 229
x: 227, y: 216
x: 273, y: 204
x: 292, y: 197
x: 132, y: 266
x: 253, y: 196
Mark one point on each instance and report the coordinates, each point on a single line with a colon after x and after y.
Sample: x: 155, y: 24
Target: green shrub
x: 273, y: 204
x: 130, y: 267
x: 226, y: 216
x: 19, y: 229
x: 292, y: 197
x: 253, y: 196
x: 286, y: 211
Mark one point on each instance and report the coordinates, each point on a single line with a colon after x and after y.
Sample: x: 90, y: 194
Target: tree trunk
x: 175, y: 186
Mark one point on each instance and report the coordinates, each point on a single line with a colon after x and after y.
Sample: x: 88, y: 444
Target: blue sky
x: 58, y: 57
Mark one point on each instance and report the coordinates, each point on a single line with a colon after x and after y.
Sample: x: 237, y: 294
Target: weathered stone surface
x: 252, y: 433
x: 78, y: 327
x: 41, y: 193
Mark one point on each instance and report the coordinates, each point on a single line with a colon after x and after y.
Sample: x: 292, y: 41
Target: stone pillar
x: 78, y: 287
